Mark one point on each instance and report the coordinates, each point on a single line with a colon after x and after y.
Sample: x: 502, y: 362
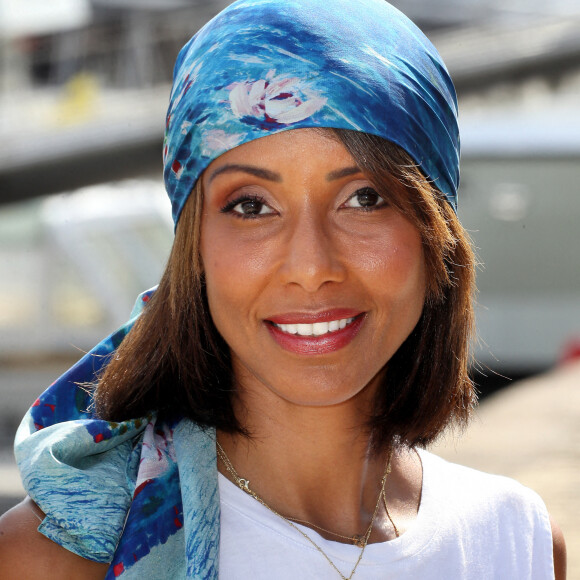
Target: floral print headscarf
x: 265, y: 66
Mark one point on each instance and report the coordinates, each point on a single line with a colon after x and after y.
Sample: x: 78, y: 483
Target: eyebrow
x: 340, y: 173
x: 255, y: 171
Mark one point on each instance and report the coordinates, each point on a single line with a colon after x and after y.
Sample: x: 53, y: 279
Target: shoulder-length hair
x: 175, y: 361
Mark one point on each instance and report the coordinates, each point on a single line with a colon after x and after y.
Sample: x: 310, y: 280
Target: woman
x: 309, y: 336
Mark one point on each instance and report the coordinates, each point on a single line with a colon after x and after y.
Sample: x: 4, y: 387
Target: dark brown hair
x: 174, y: 359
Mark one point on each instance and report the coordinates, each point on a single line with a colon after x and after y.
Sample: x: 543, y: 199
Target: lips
x: 318, y: 333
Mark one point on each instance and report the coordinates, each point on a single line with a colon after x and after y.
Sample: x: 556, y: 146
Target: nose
x: 312, y: 255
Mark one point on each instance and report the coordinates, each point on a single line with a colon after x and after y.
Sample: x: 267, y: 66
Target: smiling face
x: 313, y: 280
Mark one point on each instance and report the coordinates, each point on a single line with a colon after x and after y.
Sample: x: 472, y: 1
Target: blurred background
x: 85, y: 225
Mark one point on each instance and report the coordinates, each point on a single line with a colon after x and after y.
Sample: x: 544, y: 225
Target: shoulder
x: 496, y: 511
x: 486, y: 501
x: 462, y: 484
x: 26, y: 553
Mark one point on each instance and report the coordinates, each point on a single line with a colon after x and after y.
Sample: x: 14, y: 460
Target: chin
x: 324, y: 389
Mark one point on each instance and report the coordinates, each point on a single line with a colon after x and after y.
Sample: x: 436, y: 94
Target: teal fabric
x: 113, y: 502
x: 141, y: 495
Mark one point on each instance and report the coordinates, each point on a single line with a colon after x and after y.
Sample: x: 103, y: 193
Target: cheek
x: 409, y: 266
x: 395, y: 264
x: 220, y: 266
x: 401, y: 279
x: 235, y: 271
x: 230, y: 259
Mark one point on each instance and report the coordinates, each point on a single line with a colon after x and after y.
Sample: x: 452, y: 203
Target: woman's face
x: 313, y: 280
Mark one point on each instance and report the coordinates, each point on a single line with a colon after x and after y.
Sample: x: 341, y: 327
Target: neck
x: 309, y: 463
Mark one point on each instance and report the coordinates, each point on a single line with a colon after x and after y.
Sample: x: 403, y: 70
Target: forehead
x: 316, y: 147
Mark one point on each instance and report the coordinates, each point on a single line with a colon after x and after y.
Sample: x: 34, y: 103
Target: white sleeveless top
x: 470, y: 525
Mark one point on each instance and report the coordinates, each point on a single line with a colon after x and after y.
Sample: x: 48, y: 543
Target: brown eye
x: 366, y: 198
x: 248, y: 207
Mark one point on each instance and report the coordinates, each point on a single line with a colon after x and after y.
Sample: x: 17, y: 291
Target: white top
x: 470, y: 525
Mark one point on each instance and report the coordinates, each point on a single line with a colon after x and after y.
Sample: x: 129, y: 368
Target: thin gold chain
x: 389, y: 515
x: 356, y: 539
x: 244, y: 485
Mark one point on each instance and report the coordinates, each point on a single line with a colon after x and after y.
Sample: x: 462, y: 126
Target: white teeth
x: 316, y: 329
x: 319, y: 328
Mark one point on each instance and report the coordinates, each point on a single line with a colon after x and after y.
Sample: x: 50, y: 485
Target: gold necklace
x: 389, y: 515
x: 360, y: 541
x: 357, y: 539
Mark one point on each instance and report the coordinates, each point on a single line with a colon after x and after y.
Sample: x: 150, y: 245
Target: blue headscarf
x: 265, y: 66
